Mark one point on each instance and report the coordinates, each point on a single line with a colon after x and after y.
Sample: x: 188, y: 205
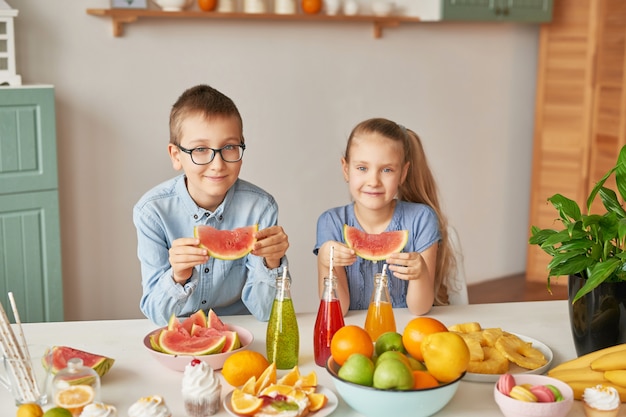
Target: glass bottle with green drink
x: 283, y: 338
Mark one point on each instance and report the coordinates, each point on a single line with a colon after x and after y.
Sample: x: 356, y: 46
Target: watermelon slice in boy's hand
x: 375, y: 247
x: 226, y: 244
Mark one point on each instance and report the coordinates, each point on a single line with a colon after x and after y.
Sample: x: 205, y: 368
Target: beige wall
x: 468, y: 89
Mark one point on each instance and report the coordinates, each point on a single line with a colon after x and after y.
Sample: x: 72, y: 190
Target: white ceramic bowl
x: 374, y: 402
x: 382, y: 8
x: 173, y: 5
x: 216, y: 360
x: 516, y: 408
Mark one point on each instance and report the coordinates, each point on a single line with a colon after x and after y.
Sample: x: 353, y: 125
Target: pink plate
x: 216, y: 360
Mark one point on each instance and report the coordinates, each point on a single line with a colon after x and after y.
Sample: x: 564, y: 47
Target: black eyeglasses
x: 203, y: 155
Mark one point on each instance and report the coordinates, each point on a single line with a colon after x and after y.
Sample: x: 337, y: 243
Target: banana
x: 585, y: 360
x: 579, y: 388
x: 610, y: 361
x: 579, y: 374
x: 617, y: 377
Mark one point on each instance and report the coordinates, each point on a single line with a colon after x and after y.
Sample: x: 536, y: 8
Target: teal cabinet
x: 529, y: 11
x: 30, y: 244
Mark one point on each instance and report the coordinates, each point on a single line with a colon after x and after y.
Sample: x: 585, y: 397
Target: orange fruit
x: 317, y: 401
x: 415, y: 331
x: 249, y: 386
x: 245, y: 404
x: 240, y: 366
x: 290, y: 378
x: 307, y: 383
x: 267, y: 378
x: 446, y: 355
x: 74, y: 398
x: 311, y: 6
x: 423, y: 379
x: 207, y: 5
x: 348, y: 340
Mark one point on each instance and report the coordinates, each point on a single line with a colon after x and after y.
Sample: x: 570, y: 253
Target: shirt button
x: 195, y: 216
x: 206, y: 214
x: 206, y: 270
x: 221, y: 217
x: 203, y: 301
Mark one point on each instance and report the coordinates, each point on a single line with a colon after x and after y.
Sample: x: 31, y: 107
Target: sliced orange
x: 267, y: 378
x: 248, y: 387
x: 286, y: 390
x: 307, y: 383
x: 317, y: 401
x: 245, y: 404
x: 290, y: 378
x: 74, y: 398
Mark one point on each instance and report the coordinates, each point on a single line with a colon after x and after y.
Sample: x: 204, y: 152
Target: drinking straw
x: 14, y: 359
x: 330, y: 267
x: 384, y: 273
x: 23, y: 348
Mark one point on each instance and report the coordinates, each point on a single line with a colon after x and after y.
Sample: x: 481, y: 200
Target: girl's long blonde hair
x: 419, y: 187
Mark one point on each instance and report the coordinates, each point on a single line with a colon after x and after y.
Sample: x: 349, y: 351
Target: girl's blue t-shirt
x: 419, y: 219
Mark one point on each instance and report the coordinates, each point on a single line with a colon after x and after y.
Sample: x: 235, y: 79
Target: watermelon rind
x: 58, y: 357
x: 198, y: 318
x: 175, y: 343
x: 215, y: 322
x: 226, y: 245
x: 232, y: 341
x: 375, y: 247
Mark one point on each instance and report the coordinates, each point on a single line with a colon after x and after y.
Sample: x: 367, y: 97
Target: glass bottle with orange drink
x: 380, y: 318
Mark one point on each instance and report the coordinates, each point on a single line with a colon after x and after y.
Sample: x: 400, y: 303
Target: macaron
x: 557, y: 394
x: 543, y: 393
x: 523, y: 394
x: 505, y: 383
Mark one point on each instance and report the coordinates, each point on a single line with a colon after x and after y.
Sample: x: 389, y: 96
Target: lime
x: 29, y: 410
x: 393, y: 374
x: 358, y: 369
x: 57, y: 412
x: 389, y: 341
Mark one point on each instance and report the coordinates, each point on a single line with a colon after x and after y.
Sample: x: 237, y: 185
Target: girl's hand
x: 342, y: 254
x: 407, y: 265
x: 271, y: 244
x: 184, y: 255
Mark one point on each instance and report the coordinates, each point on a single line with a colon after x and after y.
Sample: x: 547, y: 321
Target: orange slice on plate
x: 307, y: 383
x: 290, y: 378
x: 74, y: 398
x: 267, y: 378
x: 317, y: 401
x: 245, y: 404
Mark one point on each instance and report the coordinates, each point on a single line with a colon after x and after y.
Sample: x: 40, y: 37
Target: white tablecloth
x: 136, y: 374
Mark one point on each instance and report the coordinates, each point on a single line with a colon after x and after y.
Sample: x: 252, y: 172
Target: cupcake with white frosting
x: 98, y: 409
x: 201, y: 389
x: 153, y: 406
x: 601, y: 401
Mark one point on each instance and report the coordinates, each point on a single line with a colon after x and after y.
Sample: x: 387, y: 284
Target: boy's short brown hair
x: 203, y: 100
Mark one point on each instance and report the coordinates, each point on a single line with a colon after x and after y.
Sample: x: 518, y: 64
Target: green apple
x: 57, y: 412
x: 389, y: 341
x: 393, y: 374
x: 415, y: 364
x: 358, y: 369
x: 395, y: 355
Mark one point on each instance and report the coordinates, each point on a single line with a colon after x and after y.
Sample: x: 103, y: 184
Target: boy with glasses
x: 178, y: 277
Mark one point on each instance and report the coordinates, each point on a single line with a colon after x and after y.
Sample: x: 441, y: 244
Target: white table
x: 136, y: 374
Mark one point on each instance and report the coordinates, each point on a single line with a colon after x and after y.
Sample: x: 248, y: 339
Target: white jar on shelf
x: 226, y: 6
x: 332, y: 7
x: 350, y: 7
x: 254, y: 6
x: 285, y: 6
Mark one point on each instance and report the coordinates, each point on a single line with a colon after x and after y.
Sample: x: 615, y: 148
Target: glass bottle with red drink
x: 329, y: 319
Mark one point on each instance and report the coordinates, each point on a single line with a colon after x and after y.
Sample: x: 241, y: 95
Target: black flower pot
x: 598, y: 319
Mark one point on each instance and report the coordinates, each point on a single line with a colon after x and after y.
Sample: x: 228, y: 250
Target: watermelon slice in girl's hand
x: 226, y: 244
x: 59, y: 355
x: 375, y: 247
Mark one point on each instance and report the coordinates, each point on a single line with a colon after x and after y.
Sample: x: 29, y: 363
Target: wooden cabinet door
x: 30, y: 255
x: 30, y: 246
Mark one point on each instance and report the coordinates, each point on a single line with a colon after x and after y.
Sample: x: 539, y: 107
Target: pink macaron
x: 505, y: 383
x: 543, y: 393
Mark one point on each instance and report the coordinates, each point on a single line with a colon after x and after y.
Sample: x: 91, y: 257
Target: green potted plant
x: 591, y: 249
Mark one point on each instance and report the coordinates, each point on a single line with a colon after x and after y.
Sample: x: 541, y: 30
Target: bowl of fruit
x: 200, y: 336
x: 528, y: 395
x: 397, y: 375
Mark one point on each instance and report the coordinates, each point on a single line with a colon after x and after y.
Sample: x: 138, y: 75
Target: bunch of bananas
x: 605, y: 366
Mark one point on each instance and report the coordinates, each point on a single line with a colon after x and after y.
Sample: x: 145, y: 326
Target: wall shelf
x: 119, y: 17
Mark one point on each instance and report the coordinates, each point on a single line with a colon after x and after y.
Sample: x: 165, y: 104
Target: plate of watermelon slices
x: 200, y: 336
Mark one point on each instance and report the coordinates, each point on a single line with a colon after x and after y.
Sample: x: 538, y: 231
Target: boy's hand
x: 342, y: 254
x: 184, y: 255
x: 271, y: 244
x: 407, y: 265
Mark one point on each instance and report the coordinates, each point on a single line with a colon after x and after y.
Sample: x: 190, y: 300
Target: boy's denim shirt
x: 243, y: 286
